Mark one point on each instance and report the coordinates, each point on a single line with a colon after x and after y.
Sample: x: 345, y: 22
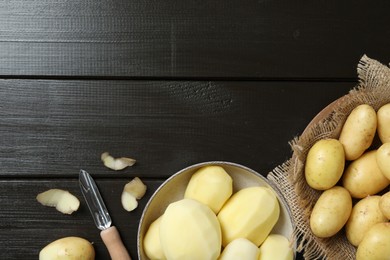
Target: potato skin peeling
x: 132, y: 191
x: 62, y: 200
x: 116, y: 164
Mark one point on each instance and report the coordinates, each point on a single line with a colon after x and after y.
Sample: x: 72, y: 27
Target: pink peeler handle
x: 114, y: 244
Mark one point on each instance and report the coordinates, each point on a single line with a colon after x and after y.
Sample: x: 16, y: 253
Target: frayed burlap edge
x: 373, y: 89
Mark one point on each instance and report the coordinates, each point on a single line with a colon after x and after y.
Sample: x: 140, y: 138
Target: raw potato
x: 324, y: 164
x: 383, y: 159
x: 358, y: 131
x: 152, y: 244
x: 211, y: 185
x: 331, y: 212
x: 375, y: 244
x: 384, y: 204
x: 190, y: 230
x: 250, y: 213
x: 116, y: 164
x: 276, y: 247
x: 62, y: 200
x: 365, y: 214
x: 363, y: 176
x: 133, y: 191
x: 68, y: 248
x: 383, y: 116
x: 240, y: 248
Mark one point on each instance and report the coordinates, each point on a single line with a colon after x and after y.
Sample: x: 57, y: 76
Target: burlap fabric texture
x: 373, y: 88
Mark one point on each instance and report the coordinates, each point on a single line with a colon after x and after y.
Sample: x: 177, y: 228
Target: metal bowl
x: 173, y: 190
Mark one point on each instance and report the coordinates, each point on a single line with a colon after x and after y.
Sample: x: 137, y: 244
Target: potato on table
x: 68, y: 248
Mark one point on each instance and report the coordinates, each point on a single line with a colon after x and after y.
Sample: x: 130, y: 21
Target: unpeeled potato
x: 68, y: 248
x: 331, y: 212
x: 324, y: 164
x: 363, y: 176
x: 358, y: 131
x: 383, y: 116
x: 375, y: 244
x: 383, y: 159
x: 364, y: 215
x: 384, y: 204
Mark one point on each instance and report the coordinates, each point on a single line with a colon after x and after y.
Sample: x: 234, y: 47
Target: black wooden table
x: 169, y: 83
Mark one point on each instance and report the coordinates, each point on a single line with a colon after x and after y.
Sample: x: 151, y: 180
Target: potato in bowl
x: 243, y: 180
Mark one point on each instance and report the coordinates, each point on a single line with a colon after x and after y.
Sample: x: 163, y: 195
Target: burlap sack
x: 374, y: 89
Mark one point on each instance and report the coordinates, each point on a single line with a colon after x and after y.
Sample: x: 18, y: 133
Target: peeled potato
x: 240, y: 248
x: 358, y: 131
x: 250, y: 213
x: 331, y: 212
x: 364, y: 215
x: 152, y: 244
x: 68, y: 248
x: 324, y: 164
x: 383, y: 116
x: 363, y: 176
x: 275, y: 247
x: 375, y: 244
x: 211, y: 185
x: 190, y: 230
x: 383, y: 159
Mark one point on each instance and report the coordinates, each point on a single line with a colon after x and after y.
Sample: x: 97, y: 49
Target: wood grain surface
x: 254, y: 39
x: 169, y: 83
x: 56, y: 127
x: 26, y: 226
x: 52, y: 128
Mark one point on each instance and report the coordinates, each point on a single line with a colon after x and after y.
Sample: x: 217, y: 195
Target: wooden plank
x: 27, y: 226
x: 53, y: 128
x: 190, y: 39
